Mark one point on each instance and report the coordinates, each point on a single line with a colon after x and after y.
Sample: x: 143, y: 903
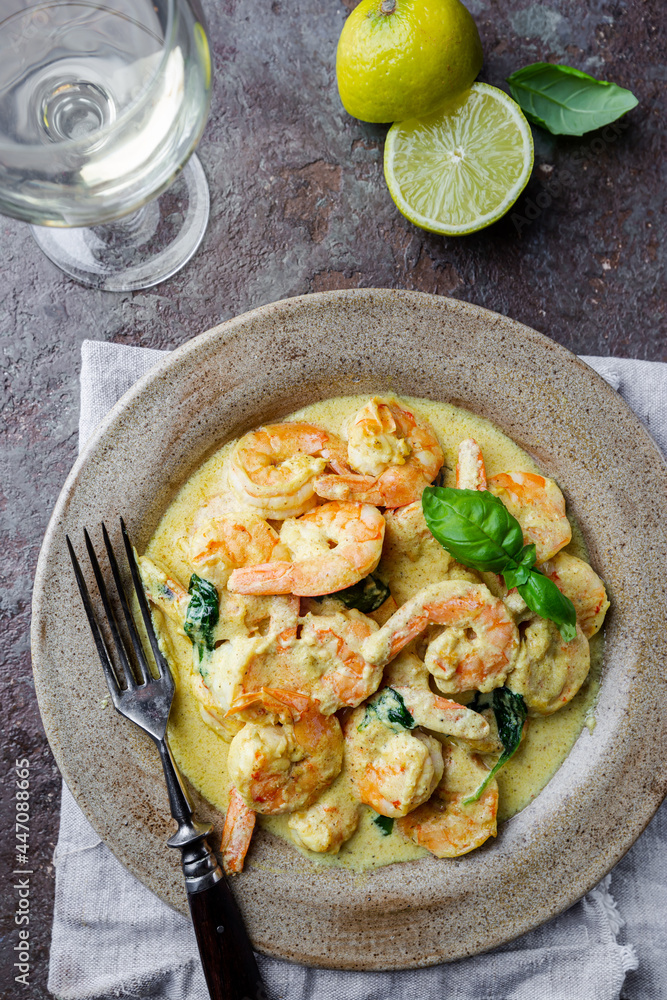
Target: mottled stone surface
x: 299, y: 204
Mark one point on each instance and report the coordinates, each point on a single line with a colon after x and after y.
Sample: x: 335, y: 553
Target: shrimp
x: 273, y: 469
x: 335, y: 640
x: 328, y: 823
x: 391, y: 771
x: 409, y: 677
x: 285, y: 766
x: 470, y: 471
x: 240, y: 615
x: 536, y: 502
x: 323, y: 662
x: 395, y: 457
x: 476, y: 650
x: 411, y: 556
x: 220, y: 544
x: 332, y: 547
x: 442, y: 715
x: 236, y: 834
x: 578, y: 581
x: 549, y: 671
x: 539, y: 506
x: 444, y: 825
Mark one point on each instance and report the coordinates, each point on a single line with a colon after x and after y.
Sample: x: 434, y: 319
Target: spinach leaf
x: 566, y: 101
x: 544, y: 598
x: 389, y: 708
x: 367, y: 595
x: 385, y: 824
x: 510, y: 712
x: 202, y: 614
x: 478, y: 530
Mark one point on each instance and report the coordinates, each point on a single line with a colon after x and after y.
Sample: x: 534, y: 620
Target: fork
x: 224, y: 946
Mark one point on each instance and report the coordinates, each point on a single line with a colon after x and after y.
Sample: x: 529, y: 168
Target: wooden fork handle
x: 224, y: 946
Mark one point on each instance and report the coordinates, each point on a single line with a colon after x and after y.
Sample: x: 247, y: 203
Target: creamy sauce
x: 201, y: 753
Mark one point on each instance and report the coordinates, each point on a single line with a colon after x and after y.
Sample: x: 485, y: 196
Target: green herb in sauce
x: 202, y: 615
x: 389, y: 708
x: 385, y: 824
x: 510, y: 712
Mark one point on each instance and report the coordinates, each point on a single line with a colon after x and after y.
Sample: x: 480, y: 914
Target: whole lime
x: 401, y: 59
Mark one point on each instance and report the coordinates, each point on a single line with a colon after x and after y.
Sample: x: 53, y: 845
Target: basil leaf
x: 384, y: 823
x: 388, y: 708
x: 510, y: 712
x: 566, y: 101
x: 474, y: 526
x: 367, y: 595
x: 202, y: 614
x: 478, y: 530
x: 544, y: 598
x: 518, y: 572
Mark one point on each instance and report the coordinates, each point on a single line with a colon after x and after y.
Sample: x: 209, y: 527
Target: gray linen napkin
x: 106, y: 922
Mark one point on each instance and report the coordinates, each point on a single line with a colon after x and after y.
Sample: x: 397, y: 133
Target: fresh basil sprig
x: 385, y: 824
x: 566, y: 101
x: 202, y: 615
x: 510, y: 712
x: 389, y: 708
x: 478, y: 530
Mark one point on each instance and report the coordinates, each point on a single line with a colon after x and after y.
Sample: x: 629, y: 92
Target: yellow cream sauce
x: 202, y: 754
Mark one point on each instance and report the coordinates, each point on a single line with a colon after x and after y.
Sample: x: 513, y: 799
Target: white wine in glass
x: 101, y: 107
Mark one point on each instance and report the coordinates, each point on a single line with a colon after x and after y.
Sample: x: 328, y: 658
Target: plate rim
x: 223, y: 332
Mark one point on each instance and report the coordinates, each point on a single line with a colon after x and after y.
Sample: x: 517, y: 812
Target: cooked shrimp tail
x: 288, y: 705
x: 236, y: 834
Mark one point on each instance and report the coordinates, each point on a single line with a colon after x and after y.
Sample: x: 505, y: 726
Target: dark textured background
x: 298, y: 205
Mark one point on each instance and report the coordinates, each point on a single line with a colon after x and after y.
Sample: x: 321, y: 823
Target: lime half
x: 462, y: 168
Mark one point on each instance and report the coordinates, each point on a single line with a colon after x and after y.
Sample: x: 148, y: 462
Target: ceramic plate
x: 255, y: 369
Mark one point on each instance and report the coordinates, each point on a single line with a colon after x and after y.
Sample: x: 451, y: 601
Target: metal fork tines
x: 135, y: 691
x: 145, y: 698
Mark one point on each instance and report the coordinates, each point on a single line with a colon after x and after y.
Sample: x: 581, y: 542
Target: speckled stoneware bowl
x: 257, y: 368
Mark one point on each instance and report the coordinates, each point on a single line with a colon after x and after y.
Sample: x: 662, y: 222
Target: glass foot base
x: 140, y: 250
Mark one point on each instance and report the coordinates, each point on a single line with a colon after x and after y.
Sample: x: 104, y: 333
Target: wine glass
x: 101, y: 106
